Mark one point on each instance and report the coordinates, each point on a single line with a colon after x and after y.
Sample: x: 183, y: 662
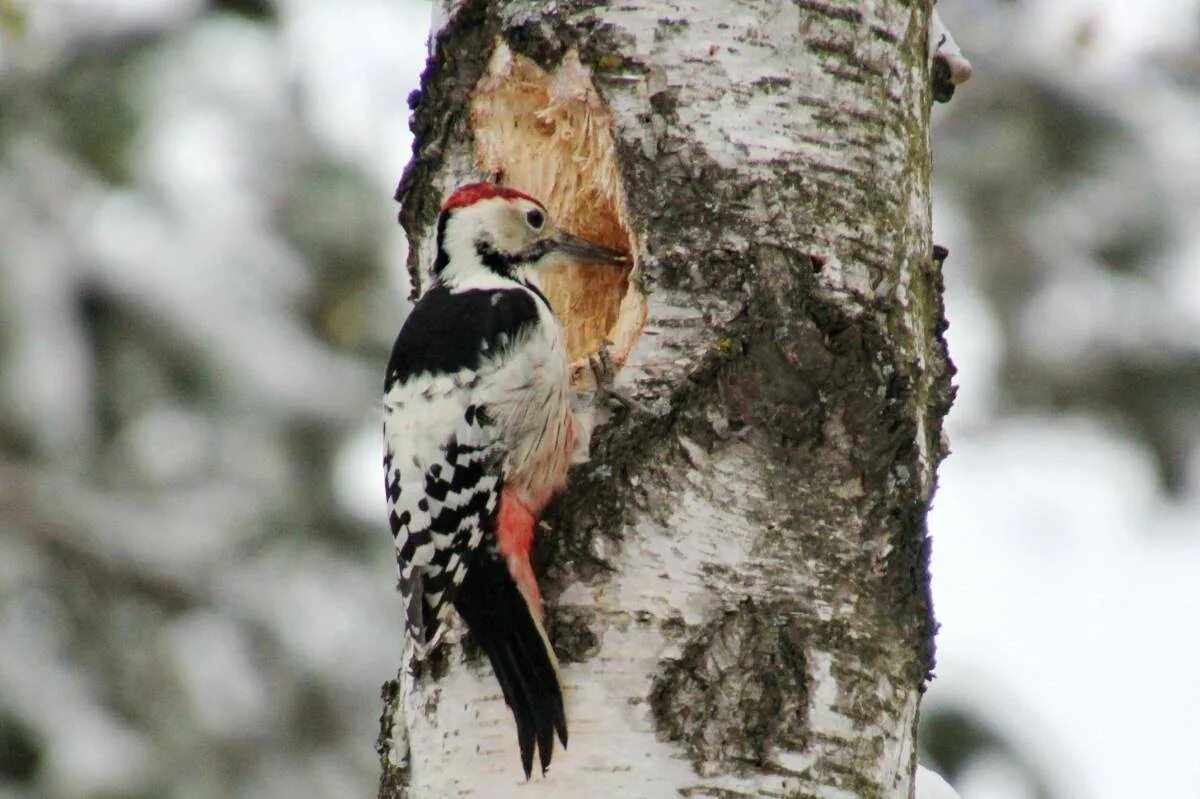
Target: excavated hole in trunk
x: 550, y: 135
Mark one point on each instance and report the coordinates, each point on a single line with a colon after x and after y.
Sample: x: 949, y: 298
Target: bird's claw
x: 604, y: 372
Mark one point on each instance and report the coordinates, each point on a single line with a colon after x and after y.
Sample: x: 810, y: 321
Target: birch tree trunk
x: 737, y: 581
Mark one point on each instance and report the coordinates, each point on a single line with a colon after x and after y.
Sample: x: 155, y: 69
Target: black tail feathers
x: 503, y: 623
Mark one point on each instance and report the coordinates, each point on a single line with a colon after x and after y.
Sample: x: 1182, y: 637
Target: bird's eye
x: 535, y: 218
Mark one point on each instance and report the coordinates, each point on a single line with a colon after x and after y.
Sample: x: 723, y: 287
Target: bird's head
x: 487, y: 231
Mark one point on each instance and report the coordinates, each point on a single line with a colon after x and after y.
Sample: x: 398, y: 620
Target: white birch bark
x: 737, y: 582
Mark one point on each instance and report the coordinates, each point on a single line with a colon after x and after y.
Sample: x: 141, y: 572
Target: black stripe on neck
x: 501, y: 263
x: 527, y: 284
x: 505, y: 265
x: 443, y: 258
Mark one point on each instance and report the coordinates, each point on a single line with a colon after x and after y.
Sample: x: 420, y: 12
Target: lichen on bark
x: 737, y: 690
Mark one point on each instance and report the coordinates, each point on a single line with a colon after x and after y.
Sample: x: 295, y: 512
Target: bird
x: 479, y: 432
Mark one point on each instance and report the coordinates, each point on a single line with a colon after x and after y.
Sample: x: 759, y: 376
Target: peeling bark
x: 737, y: 583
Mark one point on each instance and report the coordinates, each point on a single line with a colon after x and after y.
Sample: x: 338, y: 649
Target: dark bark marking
x: 740, y: 688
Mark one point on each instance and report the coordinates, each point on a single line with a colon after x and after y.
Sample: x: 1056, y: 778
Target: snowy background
x: 1067, y: 524
x: 200, y: 277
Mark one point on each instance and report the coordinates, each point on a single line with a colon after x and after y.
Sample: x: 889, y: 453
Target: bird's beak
x: 582, y: 251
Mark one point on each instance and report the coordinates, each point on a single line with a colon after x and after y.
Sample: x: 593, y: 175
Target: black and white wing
x: 443, y: 453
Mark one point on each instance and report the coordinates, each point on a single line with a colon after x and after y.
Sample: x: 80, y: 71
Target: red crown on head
x: 474, y: 192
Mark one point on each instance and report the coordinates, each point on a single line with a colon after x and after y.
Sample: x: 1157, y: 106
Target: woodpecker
x: 479, y: 431
x: 948, y: 66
